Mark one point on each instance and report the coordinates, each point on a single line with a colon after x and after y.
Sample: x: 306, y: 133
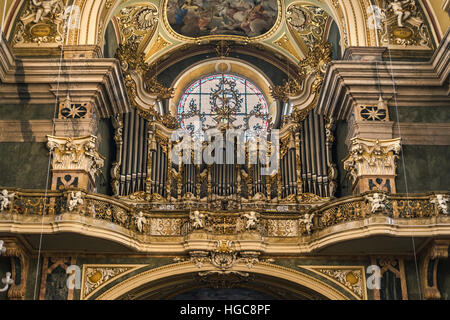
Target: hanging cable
x: 402, y: 155
x: 55, y: 115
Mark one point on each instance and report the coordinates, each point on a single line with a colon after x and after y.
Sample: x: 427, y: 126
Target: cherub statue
x: 43, y: 8
x: 198, y: 219
x: 2, y: 248
x: 376, y: 201
x: 140, y: 220
x: 252, y: 220
x: 307, y: 220
x: 441, y: 202
x: 5, y: 199
x: 398, y: 8
x: 75, y: 199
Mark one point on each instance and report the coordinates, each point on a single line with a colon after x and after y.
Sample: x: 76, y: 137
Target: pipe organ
x: 304, y: 166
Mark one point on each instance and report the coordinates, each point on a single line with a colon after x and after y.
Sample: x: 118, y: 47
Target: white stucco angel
x: 75, y: 199
x: 307, y: 220
x: 376, y: 201
x: 2, y: 248
x: 44, y: 8
x: 197, y: 219
x: 398, y: 7
x: 441, y: 202
x: 252, y: 219
x: 140, y: 220
x: 5, y: 200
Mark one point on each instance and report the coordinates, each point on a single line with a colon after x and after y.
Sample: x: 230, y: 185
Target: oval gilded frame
x: 228, y: 37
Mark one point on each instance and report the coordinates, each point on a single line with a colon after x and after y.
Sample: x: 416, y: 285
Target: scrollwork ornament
x: 42, y: 21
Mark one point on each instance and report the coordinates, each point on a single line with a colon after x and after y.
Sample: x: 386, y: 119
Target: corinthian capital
x: 372, y: 159
x: 77, y: 158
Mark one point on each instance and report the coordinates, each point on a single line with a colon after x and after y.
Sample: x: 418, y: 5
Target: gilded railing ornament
x: 138, y: 218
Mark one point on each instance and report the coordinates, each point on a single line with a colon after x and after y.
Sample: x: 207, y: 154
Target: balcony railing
x: 177, y: 221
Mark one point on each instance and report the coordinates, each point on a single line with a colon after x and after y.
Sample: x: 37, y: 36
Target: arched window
x: 223, y: 98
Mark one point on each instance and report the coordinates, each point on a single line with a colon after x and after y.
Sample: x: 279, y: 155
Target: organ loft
x: 229, y: 150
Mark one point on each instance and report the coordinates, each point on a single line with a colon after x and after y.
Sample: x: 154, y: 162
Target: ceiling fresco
x: 199, y: 18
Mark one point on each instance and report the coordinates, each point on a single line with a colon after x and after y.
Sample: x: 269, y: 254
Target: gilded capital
x: 372, y: 159
x: 74, y: 157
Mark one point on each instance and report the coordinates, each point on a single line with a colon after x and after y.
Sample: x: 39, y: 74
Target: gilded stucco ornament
x: 372, y: 157
x: 307, y: 23
x: 137, y: 24
x: 132, y: 60
x: 94, y: 276
x: 314, y: 64
x: 75, y: 154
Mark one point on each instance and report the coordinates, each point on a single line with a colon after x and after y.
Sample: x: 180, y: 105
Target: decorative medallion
x: 352, y: 278
x: 194, y: 19
x: 95, y: 276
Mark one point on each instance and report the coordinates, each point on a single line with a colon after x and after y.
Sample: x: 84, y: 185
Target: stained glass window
x: 224, y: 98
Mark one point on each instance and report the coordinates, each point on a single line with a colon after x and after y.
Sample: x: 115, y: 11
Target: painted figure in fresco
x: 43, y: 8
x: 398, y: 8
x: 196, y: 18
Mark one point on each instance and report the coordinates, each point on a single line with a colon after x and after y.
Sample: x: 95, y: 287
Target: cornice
x: 37, y: 80
x: 347, y: 83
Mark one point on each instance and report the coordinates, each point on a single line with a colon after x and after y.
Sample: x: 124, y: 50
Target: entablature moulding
x: 96, y: 81
x: 366, y: 74
x: 157, y: 227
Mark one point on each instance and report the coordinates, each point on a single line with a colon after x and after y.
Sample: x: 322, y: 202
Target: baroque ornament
x: 372, y: 157
x: 75, y: 154
x: 42, y: 21
x: 440, y: 201
x: 403, y: 24
x: 377, y: 201
x: 5, y: 200
x: 74, y: 200
x: 351, y: 278
x: 96, y: 276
